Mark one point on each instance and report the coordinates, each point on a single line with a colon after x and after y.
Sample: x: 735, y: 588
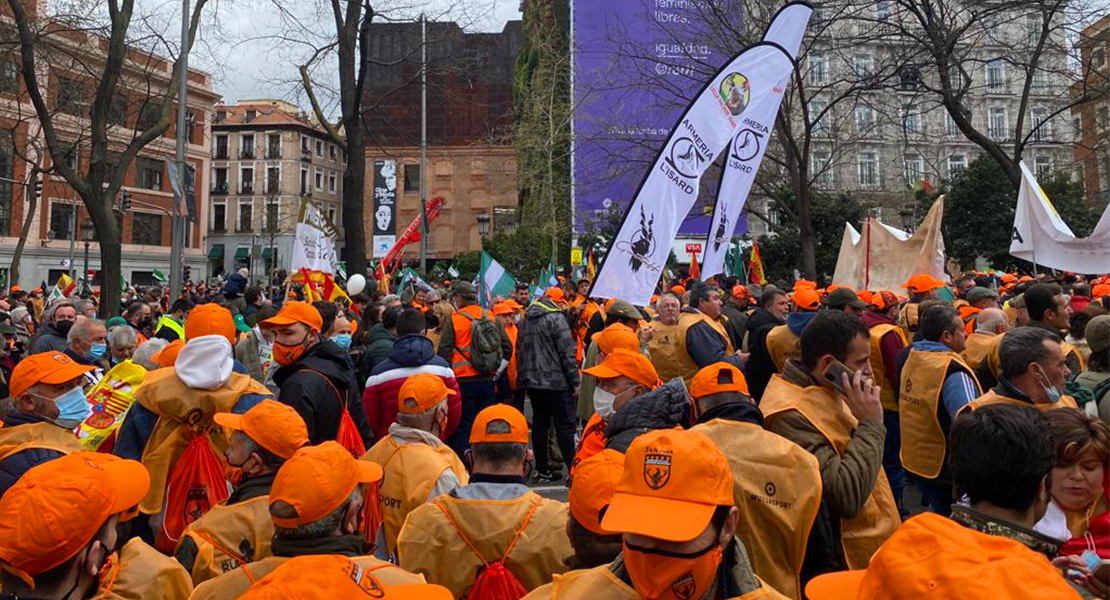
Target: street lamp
x: 87, y: 235
x: 483, y: 225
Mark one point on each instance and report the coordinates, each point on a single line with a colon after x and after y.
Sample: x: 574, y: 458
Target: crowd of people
x: 947, y: 440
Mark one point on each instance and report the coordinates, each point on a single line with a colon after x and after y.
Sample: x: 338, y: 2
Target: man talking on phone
x: 828, y: 404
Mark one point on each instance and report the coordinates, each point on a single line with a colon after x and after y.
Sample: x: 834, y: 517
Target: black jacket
x: 315, y: 399
x: 14, y: 466
x: 545, y: 349
x: 741, y: 412
x: 705, y: 346
x: 49, y: 339
x: 737, y: 324
x: 665, y: 407
x: 760, y: 367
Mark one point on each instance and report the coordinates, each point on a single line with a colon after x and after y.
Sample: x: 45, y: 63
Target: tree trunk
x: 109, y: 236
x: 805, y: 230
x: 354, y: 181
x: 32, y: 207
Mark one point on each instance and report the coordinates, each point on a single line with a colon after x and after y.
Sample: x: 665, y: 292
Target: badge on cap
x: 657, y: 468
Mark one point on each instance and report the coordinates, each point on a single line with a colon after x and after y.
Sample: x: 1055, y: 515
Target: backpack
x: 485, y: 344
x: 495, y: 581
x: 195, y: 484
x: 348, y: 435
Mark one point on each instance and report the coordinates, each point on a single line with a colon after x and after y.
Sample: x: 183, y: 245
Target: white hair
x: 81, y: 327
x: 144, y: 354
x: 122, y: 335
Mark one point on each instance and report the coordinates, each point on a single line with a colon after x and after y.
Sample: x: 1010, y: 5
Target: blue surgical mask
x: 342, y: 340
x: 73, y: 408
x: 97, y: 351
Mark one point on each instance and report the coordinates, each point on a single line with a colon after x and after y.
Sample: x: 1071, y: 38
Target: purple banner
x: 638, y: 64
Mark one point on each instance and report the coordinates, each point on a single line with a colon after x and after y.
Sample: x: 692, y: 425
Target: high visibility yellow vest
x: 411, y: 470
x: 46, y: 436
x: 907, y: 319
x: 600, y: 583
x: 861, y: 535
x: 777, y: 487
x: 228, y: 537
x: 172, y: 324
x: 993, y: 398
x: 140, y: 572
x: 182, y: 411
x: 430, y: 544
x: 234, y: 584
x: 665, y: 351
x: 783, y: 345
x: 687, y: 368
x: 1070, y: 351
x: 924, y: 442
x: 878, y: 332
x: 979, y: 347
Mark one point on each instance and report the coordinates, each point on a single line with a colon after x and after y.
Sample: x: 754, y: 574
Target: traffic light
x: 125, y: 201
x: 187, y: 274
x: 38, y: 187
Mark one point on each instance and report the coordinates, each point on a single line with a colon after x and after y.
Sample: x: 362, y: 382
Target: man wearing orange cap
x: 921, y: 287
x: 736, y: 309
x: 177, y: 403
x: 506, y: 314
x: 331, y: 577
x: 62, y: 538
x: 674, y: 509
x: 623, y: 376
x: 494, y: 519
x: 315, y: 377
x: 838, y: 419
x: 784, y: 341
x: 776, y: 484
x: 316, y: 504
x: 701, y: 336
x: 617, y: 335
x: 591, y: 489
x: 47, y: 404
x: 238, y: 530
x: 418, y: 465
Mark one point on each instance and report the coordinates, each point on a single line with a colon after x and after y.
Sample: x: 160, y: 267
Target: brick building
x: 1092, y: 119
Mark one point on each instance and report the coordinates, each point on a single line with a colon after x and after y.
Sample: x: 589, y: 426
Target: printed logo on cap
x: 657, y: 467
x: 684, y: 587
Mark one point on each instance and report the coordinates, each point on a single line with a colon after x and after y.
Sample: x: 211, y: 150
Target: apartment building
x: 266, y: 156
x: 1092, y: 119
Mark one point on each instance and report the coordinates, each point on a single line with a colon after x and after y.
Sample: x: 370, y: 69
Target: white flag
x: 1040, y: 236
x: 638, y: 253
x: 750, y: 143
x: 314, y: 241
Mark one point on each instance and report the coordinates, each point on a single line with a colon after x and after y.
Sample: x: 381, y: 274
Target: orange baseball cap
x: 56, y: 508
x: 717, y: 378
x: 51, y: 368
x: 318, y: 480
x: 499, y: 423
x: 1025, y: 279
x: 740, y: 292
x: 865, y: 295
x: 296, y: 312
x: 1008, y: 277
x: 330, y: 576
x: 210, y: 319
x: 591, y: 490
x: 807, y: 299
x: 502, y: 308
x: 167, y: 356
x: 932, y: 557
x: 805, y: 284
x: 273, y: 425
x: 617, y: 335
x: 632, y: 365
x: 922, y: 282
x: 16, y: 288
x: 555, y: 293
x: 1100, y: 290
x: 678, y: 290
x: 673, y: 481
x: 421, y: 392
x: 884, y: 299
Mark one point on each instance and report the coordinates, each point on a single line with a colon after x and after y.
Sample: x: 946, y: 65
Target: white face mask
x: 603, y: 403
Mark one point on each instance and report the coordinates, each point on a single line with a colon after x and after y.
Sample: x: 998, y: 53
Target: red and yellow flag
x: 319, y: 286
x: 755, y: 267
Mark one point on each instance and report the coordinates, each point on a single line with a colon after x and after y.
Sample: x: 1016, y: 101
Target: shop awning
x: 243, y: 253
x: 267, y: 253
x: 217, y: 252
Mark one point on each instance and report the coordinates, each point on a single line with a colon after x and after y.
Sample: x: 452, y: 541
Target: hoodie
x: 760, y: 367
x: 318, y: 386
x: 205, y: 362
x: 546, y: 353
x: 411, y: 355
x: 797, y: 321
x: 378, y: 347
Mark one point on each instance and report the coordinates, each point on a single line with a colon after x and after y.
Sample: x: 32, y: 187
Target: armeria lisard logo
x: 685, y: 158
x: 722, y: 233
x: 641, y: 244
x: 657, y: 468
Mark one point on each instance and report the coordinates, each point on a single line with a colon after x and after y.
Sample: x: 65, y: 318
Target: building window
x: 1043, y: 166
x: 331, y: 182
x: 1041, y: 124
x: 412, y: 178
x: 146, y: 229
x: 273, y: 180
x: 219, y: 217
x: 950, y: 127
x: 913, y: 168
x: 956, y: 163
x: 319, y: 149
x: 996, y: 76
x: 1032, y: 28
x: 246, y: 180
x: 1098, y: 58
x: 911, y: 120
x: 882, y: 10
x: 245, y: 208
x: 1077, y: 129
x: 273, y: 145
x: 149, y: 115
x: 818, y: 70
x: 868, y: 169
x: 221, y: 147
x: 1102, y: 117
x: 821, y: 167
x: 909, y: 79
x: 306, y: 189
x: 865, y: 119
x: 331, y: 216
x: 246, y: 145
x: 61, y: 220
x: 219, y: 177
x: 1040, y: 81
x: 306, y: 145
x: 273, y: 216
x: 319, y: 180
x: 819, y: 117
x: 117, y: 110
x: 9, y: 77
x: 998, y: 124
x: 864, y: 66
x: 72, y: 96
x: 7, y: 172
x: 149, y: 173
x: 332, y: 155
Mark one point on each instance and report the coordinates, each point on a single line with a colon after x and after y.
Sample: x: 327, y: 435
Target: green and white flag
x: 453, y: 272
x: 159, y: 276
x: 493, y: 280
x: 410, y: 277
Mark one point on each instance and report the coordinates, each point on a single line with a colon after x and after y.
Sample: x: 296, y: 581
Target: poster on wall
x: 385, y: 206
x: 637, y: 65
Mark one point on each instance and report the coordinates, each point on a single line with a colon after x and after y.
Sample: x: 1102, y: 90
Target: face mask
x: 603, y: 403
x: 1051, y: 391
x: 63, y: 327
x: 287, y: 355
x: 233, y: 473
x: 342, y: 340
x: 667, y: 576
x: 97, y: 351
x: 73, y: 408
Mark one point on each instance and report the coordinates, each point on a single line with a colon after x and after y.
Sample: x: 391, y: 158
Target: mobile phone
x: 833, y: 372
x: 1102, y: 571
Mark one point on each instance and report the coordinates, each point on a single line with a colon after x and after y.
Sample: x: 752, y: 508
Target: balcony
x: 273, y: 152
x: 306, y: 154
x: 220, y: 188
x: 246, y: 153
x: 246, y: 188
x: 219, y: 228
x: 244, y: 228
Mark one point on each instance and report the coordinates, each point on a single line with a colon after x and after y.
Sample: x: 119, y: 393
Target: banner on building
x: 883, y: 258
x: 385, y: 206
x: 749, y: 144
x: 638, y: 254
x: 314, y: 240
x: 1041, y: 236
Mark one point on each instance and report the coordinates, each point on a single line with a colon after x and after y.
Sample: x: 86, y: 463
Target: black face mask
x: 63, y: 327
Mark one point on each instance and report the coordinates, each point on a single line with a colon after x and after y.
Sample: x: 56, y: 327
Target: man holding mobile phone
x: 828, y: 404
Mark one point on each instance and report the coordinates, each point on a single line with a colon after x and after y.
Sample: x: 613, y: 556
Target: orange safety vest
x: 592, y: 440
x: 777, y: 487
x: 907, y: 319
x: 924, y: 441
x: 460, y: 361
x: 979, y: 347
x: 878, y: 332
x: 1070, y: 350
x: 686, y: 366
x: 602, y: 583
x: 994, y: 398
x: 234, y: 584
x: 512, y: 331
x: 140, y: 571
x: 42, y: 435
x: 877, y: 520
x: 229, y: 536
x: 783, y: 345
x: 665, y: 349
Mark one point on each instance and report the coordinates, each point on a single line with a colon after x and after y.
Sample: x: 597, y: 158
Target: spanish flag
x: 591, y: 266
x: 319, y: 286
x: 755, y: 267
x: 62, y: 289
